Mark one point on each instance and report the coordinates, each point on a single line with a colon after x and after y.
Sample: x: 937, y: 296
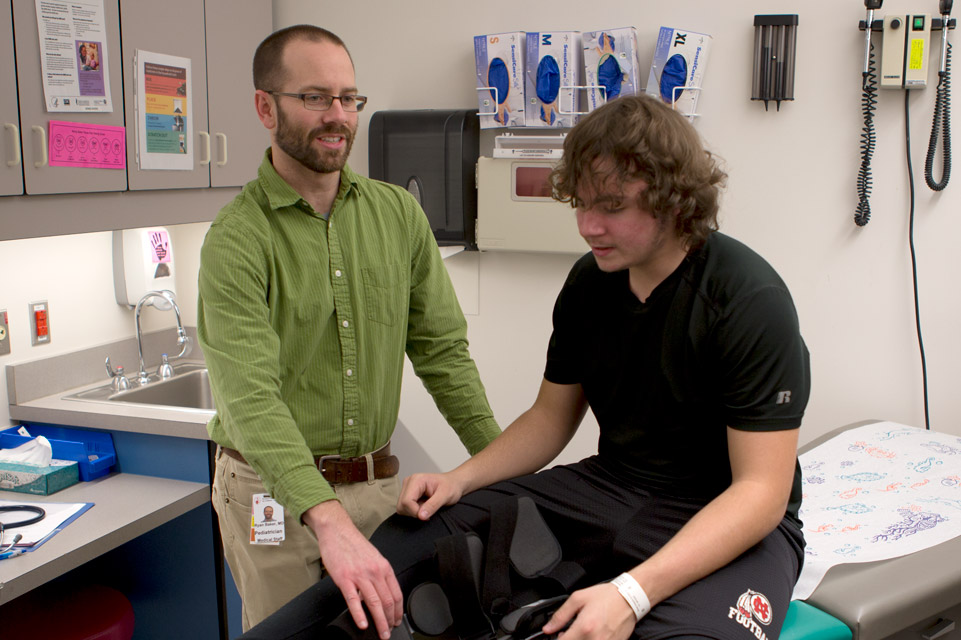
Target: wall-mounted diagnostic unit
x: 904, y: 51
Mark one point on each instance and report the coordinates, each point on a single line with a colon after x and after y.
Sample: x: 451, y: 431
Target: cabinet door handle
x: 16, y: 143
x: 206, y: 137
x: 223, y: 140
x: 43, y: 146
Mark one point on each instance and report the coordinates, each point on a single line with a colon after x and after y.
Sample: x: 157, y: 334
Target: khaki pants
x: 269, y: 576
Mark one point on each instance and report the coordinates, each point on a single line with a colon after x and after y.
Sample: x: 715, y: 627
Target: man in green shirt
x: 314, y: 283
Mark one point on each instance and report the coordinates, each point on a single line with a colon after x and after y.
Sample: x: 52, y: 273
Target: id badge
x: 266, y: 520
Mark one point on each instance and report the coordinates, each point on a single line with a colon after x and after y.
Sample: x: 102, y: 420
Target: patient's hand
x: 424, y: 493
x: 598, y: 612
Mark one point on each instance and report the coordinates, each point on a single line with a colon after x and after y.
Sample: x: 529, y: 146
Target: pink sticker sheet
x: 78, y: 144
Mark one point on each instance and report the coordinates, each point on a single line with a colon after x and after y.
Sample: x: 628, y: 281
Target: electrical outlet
x: 4, y: 333
x: 39, y: 323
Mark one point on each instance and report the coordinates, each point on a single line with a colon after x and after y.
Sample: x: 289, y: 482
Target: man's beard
x: 299, y: 145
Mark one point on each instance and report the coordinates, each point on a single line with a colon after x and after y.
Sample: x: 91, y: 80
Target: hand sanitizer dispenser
x: 142, y: 261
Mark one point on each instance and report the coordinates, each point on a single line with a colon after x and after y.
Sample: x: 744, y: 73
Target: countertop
x: 125, y: 506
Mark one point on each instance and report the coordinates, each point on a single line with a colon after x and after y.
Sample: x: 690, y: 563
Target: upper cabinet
x: 219, y: 37
x: 225, y: 138
x: 237, y: 137
x: 11, y: 173
x: 39, y: 177
x: 171, y: 28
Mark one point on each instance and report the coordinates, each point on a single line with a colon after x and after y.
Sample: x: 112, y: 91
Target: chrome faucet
x: 182, y: 340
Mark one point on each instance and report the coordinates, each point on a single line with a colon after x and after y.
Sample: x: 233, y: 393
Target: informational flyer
x: 164, y: 116
x: 79, y: 144
x: 73, y: 55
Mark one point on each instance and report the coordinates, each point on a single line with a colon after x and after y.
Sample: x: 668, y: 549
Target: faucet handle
x: 110, y: 370
x: 120, y: 382
x: 117, y: 377
x: 165, y: 370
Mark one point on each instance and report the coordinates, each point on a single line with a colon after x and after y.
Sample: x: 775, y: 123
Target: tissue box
x: 499, y: 59
x: 92, y: 450
x: 610, y: 61
x: 36, y: 479
x: 680, y: 58
x: 553, y: 77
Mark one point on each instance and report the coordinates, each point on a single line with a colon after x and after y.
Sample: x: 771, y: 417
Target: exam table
x: 915, y: 596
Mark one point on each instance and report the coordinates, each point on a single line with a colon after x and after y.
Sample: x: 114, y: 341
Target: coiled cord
x: 942, y: 125
x: 869, y: 103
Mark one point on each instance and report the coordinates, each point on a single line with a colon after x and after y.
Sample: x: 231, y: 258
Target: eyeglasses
x: 323, y: 101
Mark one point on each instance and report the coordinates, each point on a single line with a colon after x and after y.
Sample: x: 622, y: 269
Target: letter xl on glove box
x: 680, y: 58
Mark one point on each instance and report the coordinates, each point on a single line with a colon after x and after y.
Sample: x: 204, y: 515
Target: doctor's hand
x: 424, y: 493
x: 361, y: 573
x: 598, y: 613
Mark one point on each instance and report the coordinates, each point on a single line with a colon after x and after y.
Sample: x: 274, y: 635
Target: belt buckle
x: 323, y: 459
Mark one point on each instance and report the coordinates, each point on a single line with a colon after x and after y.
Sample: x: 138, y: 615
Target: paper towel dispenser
x: 432, y: 153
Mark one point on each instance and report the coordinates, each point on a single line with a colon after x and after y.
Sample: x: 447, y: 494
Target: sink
x: 189, y: 388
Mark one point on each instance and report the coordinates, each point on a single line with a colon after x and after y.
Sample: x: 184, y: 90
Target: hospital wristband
x: 634, y: 593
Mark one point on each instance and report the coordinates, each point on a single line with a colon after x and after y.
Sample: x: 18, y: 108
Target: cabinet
x: 38, y: 177
x: 176, y: 28
x: 11, y: 175
x: 237, y: 137
x: 219, y: 37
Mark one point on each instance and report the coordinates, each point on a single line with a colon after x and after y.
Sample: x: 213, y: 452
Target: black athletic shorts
x: 607, y: 527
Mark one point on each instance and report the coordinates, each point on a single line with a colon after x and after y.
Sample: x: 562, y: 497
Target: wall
x: 791, y: 196
x: 74, y: 274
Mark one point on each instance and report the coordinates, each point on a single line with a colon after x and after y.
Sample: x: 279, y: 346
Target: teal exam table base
x: 804, y: 622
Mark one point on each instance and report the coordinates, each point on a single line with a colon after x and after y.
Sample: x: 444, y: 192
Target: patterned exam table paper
x: 877, y: 492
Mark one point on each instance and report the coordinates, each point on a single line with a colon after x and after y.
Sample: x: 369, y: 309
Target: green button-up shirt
x: 304, y: 323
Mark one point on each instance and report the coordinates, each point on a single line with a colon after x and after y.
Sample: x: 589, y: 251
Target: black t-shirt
x: 715, y: 345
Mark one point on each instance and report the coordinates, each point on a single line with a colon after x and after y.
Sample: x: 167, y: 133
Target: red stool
x: 91, y: 612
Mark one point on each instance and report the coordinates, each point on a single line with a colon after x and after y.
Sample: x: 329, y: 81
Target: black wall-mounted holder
x: 775, y: 43
x: 433, y: 154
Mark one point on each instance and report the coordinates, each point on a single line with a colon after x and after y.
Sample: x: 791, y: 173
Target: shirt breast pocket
x: 386, y: 293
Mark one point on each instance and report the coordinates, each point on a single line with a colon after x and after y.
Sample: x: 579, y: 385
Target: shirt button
x: 350, y: 372
x: 346, y: 324
x: 338, y: 273
x: 350, y: 422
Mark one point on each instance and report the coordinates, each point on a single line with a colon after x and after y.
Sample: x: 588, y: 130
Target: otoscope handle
x: 870, y: 5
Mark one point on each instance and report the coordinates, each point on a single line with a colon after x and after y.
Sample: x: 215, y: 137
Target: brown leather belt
x: 338, y: 470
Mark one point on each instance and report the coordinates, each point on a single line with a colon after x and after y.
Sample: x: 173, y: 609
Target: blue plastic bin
x: 93, y: 450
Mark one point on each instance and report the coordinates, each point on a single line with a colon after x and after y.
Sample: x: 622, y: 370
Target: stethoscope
x: 41, y: 514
